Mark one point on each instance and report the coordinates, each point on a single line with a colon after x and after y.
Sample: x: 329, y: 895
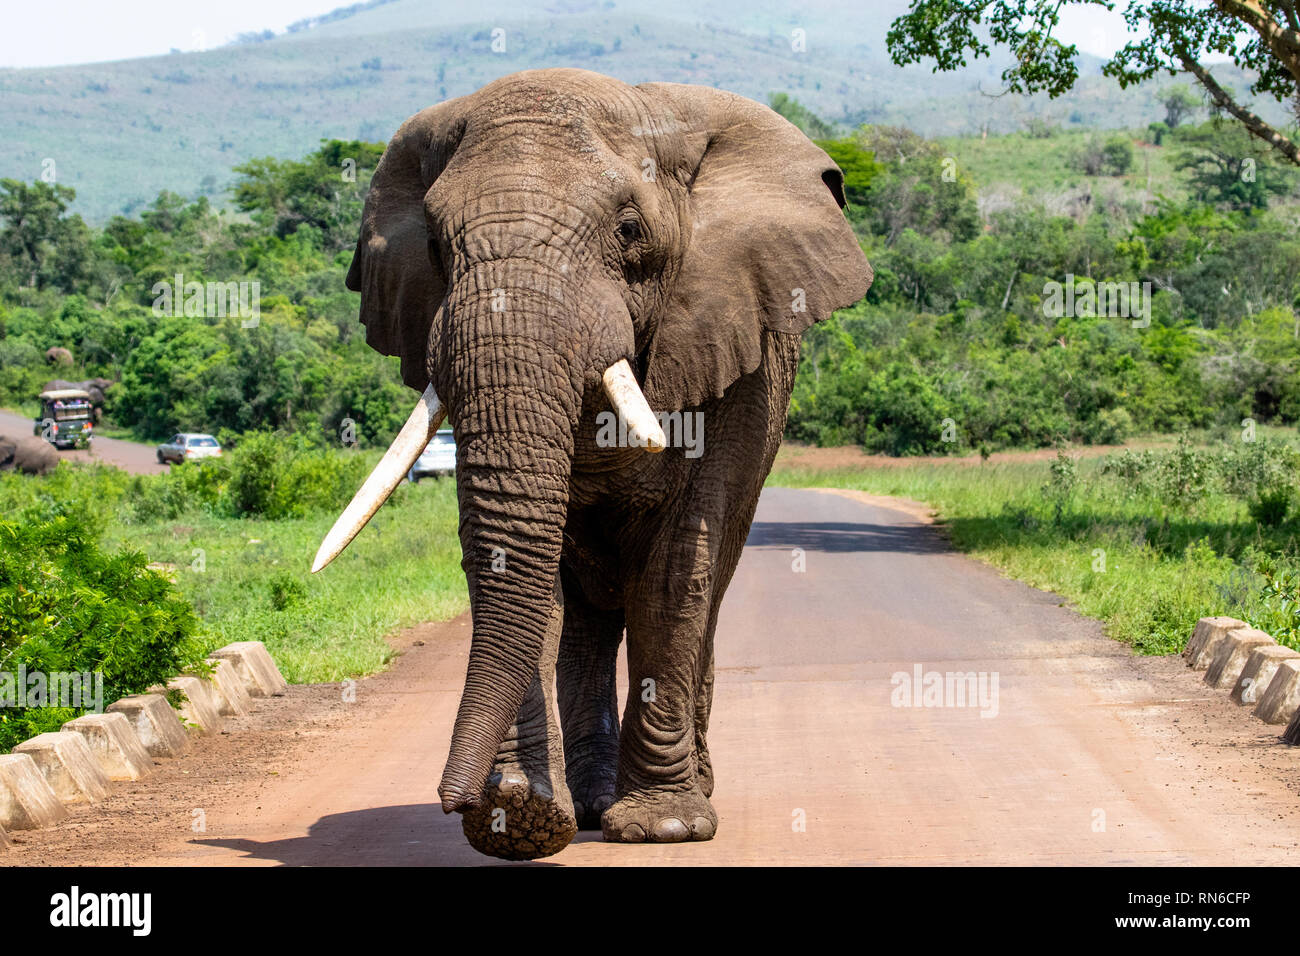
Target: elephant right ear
x: 400, y: 286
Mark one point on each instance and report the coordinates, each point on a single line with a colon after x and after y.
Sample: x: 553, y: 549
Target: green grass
x: 1037, y: 166
x: 249, y: 580
x: 1144, y: 565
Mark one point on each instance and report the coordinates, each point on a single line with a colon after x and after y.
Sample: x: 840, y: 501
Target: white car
x: 438, y: 457
x: 188, y: 446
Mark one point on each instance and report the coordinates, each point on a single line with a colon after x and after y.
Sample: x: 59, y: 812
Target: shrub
x: 1270, y: 505
x: 68, y: 606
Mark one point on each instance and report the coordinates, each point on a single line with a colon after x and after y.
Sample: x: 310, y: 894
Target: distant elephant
x: 58, y: 356
x: 31, y: 456
x: 95, y: 387
x: 542, y: 254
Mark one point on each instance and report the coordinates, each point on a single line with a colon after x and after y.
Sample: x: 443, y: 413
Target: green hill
x: 120, y: 132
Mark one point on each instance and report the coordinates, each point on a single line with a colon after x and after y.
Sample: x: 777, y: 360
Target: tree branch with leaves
x: 1260, y: 36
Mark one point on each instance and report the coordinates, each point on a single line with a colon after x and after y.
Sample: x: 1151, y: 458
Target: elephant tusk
x: 629, y: 401
x: 388, y: 474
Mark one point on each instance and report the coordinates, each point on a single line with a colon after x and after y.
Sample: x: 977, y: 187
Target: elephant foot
x: 519, y: 818
x: 592, y: 772
x: 660, y: 816
x: 591, y: 802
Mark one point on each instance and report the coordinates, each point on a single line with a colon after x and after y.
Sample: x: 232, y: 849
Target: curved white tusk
x: 388, y: 474
x: 629, y: 401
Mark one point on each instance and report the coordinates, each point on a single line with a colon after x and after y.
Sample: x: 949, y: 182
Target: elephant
x: 58, y: 355
x: 31, y: 456
x: 551, y: 258
x: 95, y: 387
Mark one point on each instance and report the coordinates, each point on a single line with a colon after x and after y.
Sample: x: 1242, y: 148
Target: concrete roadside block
x: 254, y: 666
x: 155, y: 722
x: 199, y: 709
x: 1281, y: 699
x: 1233, y: 652
x: 65, y: 761
x: 26, y: 800
x: 115, y: 745
x: 1260, y: 667
x: 228, y: 691
x: 1205, y: 640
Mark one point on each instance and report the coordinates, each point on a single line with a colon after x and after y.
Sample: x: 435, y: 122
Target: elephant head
x: 557, y: 242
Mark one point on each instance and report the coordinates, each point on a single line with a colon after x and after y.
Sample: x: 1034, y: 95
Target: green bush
x: 68, y: 606
x: 282, y: 476
x: 1270, y: 505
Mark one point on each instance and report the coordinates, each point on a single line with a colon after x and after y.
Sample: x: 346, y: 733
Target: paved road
x: 131, y: 456
x: 1088, y: 754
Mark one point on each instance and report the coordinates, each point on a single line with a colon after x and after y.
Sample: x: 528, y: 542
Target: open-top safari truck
x: 65, y: 420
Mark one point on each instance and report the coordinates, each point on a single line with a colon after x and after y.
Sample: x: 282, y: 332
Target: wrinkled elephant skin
x: 516, y: 246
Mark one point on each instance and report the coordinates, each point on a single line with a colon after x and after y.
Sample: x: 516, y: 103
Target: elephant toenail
x: 702, y: 829
x: 632, y: 833
x: 670, y: 830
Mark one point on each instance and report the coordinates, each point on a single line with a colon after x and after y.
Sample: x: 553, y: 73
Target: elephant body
x: 31, y: 456
x: 518, y: 246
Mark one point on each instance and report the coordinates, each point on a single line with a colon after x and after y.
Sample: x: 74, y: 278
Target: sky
x: 61, y: 32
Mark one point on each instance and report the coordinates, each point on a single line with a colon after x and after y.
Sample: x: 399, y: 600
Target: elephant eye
x: 629, y: 231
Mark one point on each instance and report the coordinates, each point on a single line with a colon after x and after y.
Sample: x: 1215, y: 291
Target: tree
x: 45, y: 247
x: 326, y: 189
x: 1259, y: 36
x: 1227, y: 167
x: 917, y: 188
x: 1178, y: 103
x: 1113, y: 157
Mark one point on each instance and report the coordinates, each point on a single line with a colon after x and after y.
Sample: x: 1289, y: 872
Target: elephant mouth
x: 620, y: 386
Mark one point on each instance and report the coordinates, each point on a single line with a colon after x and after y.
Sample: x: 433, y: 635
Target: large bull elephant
x: 551, y: 250
x: 31, y: 456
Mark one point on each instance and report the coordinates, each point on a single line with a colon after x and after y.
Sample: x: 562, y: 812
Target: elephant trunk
x: 514, y: 394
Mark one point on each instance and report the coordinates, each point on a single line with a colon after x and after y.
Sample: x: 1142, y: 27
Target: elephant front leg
x: 660, y: 787
x: 586, y: 676
x: 526, y: 811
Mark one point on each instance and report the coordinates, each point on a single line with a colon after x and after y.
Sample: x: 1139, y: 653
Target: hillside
x: 120, y: 132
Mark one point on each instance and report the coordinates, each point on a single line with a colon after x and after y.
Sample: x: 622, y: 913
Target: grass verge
x: 1146, y: 543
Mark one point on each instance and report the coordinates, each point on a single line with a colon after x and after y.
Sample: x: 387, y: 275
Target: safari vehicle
x: 65, y: 419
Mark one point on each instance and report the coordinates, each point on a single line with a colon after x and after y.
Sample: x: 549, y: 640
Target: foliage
x: 1172, y: 36
x: 1179, y: 103
x: 324, y: 190
x: 67, y: 606
x: 1228, y: 167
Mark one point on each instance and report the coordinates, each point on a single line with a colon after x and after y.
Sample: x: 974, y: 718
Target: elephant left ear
x: 768, y: 247
x: 391, y: 268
